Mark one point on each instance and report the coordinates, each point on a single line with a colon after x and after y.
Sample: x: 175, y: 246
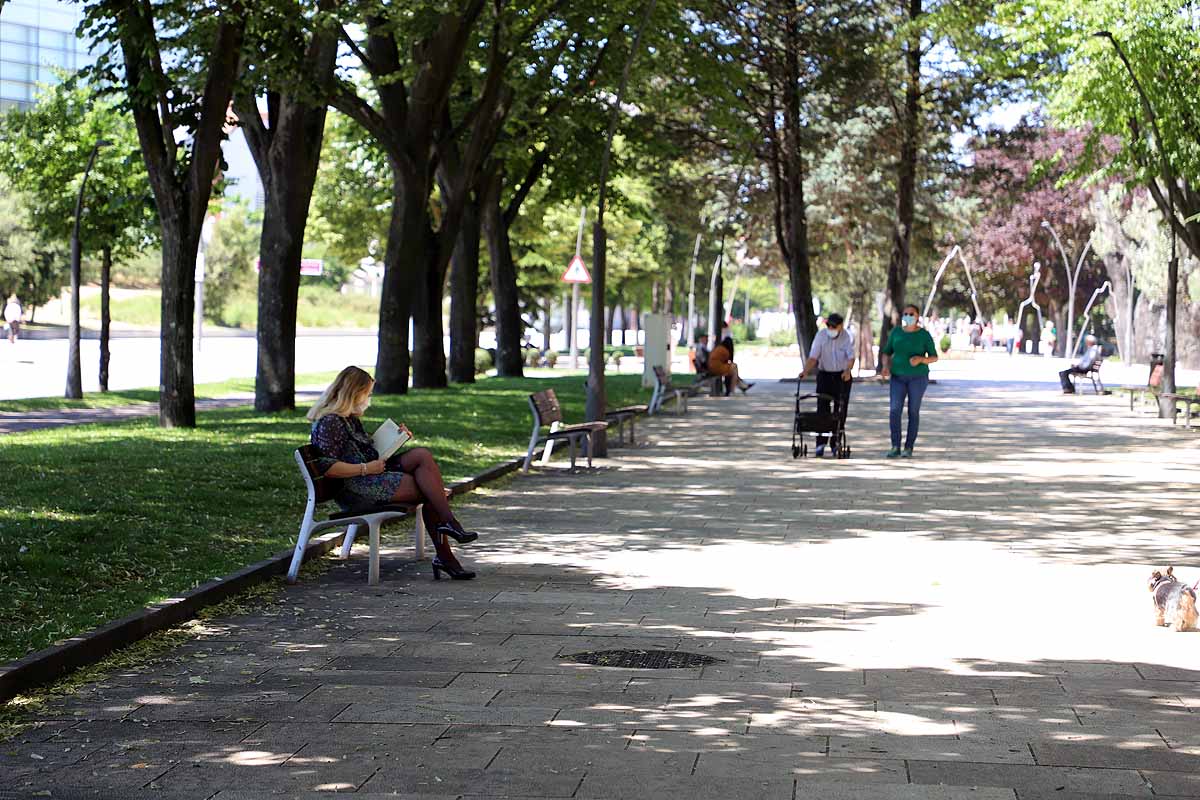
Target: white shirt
x: 833, y: 355
x: 12, y: 311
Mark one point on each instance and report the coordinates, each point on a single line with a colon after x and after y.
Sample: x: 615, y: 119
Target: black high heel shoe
x: 456, y: 533
x: 455, y: 571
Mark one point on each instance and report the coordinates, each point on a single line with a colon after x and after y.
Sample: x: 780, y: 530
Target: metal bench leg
x: 571, y: 446
x: 348, y: 542
x: 632, y: 431
x: 419, y: 531
x: 301, y: 544
x: 373, y: 566
x: 548, y: 448
x: 591, y: 444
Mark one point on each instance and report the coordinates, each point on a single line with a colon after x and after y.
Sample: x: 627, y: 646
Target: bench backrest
x: 545, y: 407
x: 1095, y: 367
x: 319, y: 487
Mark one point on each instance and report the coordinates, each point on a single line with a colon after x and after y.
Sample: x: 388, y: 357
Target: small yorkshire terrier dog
x: 1174, y: 601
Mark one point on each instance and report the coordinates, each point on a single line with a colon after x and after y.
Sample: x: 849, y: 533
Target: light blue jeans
x: 913, y: 387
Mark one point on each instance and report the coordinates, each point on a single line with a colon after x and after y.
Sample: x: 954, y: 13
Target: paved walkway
x: 977, y: 617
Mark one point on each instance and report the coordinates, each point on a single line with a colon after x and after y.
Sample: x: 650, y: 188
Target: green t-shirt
x: 902, y: 345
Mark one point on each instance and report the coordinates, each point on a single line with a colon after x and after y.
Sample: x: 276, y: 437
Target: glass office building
x: 37, y: 36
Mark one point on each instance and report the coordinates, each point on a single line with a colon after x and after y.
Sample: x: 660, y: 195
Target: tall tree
x: 294, y: 52
x: 1128, y: 69
x: 179, y: 63
x: 403, y: 111
x: 45, y: 152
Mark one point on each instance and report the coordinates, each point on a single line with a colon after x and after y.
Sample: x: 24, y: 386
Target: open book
x: 389, y: 438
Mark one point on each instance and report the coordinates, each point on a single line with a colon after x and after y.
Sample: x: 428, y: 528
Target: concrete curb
x: 51, y: 663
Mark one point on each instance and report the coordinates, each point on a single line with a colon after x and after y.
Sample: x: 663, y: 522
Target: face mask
x: 834, y: 332
x: 908, y: 319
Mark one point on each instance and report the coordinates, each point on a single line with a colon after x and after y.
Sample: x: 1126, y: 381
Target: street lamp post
x: 74, y: 372
x: 1072, y: 281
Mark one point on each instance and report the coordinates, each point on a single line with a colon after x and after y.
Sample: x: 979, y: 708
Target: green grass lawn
x: 133, y: 397
x: 99, y: 520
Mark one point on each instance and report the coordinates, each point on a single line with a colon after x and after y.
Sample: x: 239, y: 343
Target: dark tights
x: 423, y: 483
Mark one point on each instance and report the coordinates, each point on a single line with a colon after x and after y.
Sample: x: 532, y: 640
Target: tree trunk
x: 906, y: 181
x: 105, y: 316
x: 610, y: 314
x: 177, y: 389
x: 509, y: 361
x: 546, y: 325
x: 464, y: 294
x: 287, y: 155
x: 429, y: 349
x: 403, y: 258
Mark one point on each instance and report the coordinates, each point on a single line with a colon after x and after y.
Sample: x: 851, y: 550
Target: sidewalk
x: 975, y: 617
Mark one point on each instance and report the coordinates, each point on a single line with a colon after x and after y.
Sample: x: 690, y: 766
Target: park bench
x: 1092, y: 374
x: 322, y: 489
x: 665, y: 390
x: 1188, y: 403
x: 547, y: 412
x: 619, y: 416
x: 1148, y: 394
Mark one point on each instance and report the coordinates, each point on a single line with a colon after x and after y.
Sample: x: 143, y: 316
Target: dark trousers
x: 1064, y: 377
x: 831, y: 383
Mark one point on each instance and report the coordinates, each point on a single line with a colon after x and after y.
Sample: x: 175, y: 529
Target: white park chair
x: 321, y: 490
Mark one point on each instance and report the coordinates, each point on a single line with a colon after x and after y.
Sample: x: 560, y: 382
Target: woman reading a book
x: 351, y: 455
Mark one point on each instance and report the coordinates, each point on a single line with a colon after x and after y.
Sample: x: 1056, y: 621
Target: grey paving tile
x: 1025, y: 778
x: 1085, y: 755
x: 491, y: 782
x: 818, y: 790
x: 931, y: 748
x: 731, y: 787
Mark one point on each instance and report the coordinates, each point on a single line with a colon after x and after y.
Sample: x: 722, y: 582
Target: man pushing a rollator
x: 832, y: 358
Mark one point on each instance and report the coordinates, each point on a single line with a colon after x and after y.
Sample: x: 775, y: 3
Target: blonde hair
x: 343, y: 396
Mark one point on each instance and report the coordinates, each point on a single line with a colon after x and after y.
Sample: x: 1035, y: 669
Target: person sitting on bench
x: 1082, y: 366
x: 349, y: 455
x: 721, y: 363
x: 700, y: 361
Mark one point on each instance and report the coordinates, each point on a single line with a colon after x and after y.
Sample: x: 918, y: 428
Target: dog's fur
x: 1174, y: 601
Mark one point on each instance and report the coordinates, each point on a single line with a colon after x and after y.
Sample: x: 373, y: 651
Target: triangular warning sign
x: 576, y: 272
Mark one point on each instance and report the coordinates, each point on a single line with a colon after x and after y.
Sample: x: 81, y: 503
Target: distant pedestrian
x: 12, y: 318
x: 911, y: 351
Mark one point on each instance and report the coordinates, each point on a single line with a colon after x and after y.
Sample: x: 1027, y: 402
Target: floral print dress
x: 344, y: 439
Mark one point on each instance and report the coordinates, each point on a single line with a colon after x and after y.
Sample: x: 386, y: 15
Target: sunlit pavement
x: 974, y: 623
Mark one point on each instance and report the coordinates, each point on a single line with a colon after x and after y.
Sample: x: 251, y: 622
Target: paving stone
x: 824, y: 790
x: 695, y: 787
x: 1025, y: 778
x: 432, y: 713
x: 930, y: 748
x: 490, y: 782
x: 1083, y: 755
x: 1173, y: 783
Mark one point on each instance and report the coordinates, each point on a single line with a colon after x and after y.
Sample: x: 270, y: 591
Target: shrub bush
x: 782, y: 338
x: 945, y: 343
x: 483, y: 361
x: 743, y: 332
x: 532, y: 358
x: 552, y: 358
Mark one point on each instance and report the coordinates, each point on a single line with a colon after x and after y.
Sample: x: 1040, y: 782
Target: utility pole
x: 691, y: 317
x: 575, y: 295
x: 74, y: 389
x: 1072, y: 282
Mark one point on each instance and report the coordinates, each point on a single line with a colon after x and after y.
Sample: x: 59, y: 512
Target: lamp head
x: 1045, y: 224
x: 103, y: 143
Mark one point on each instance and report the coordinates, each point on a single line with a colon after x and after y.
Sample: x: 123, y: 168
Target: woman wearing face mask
x: 349, y: 455
x: 908, y: 353
x: 832, y: 358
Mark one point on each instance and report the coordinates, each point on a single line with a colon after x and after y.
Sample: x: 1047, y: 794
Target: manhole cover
x: 641, y: 659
